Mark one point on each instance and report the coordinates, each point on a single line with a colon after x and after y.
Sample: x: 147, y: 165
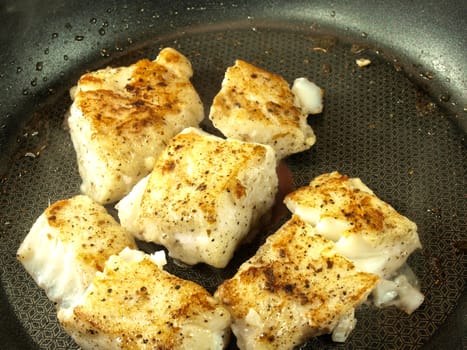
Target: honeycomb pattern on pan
x: 376, y: 125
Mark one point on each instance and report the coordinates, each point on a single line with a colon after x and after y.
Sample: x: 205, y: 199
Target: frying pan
x: 399, y: 124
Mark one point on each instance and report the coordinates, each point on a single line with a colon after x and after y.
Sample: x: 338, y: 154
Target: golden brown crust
x: 204, y: 169
x: 338, y: 197
x: 255, y: 105
x: 150, y: 96
x: 137, y: 305
x: 242, y: 81
x: 295, y: 273
x: 122, y: 118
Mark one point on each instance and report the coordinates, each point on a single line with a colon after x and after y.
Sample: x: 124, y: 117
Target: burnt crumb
x: 460, y: 246
x: 201, y: 187
x: 282, y: 253
x: 288, y: 288
x: 169, y: 166
x: 270, y: 278
x: 138, y: 103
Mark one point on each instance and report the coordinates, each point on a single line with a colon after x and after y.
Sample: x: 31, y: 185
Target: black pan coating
x: 398, y: 124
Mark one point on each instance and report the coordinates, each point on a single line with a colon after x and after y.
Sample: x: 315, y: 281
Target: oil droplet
x: 54, y: 35
x: 19, y: 70
x: 109, y: 10
x: 46, y: 51
x: 65, y: 57
x: 102, y: 31
x: 397, y: 65
x: 105, y: 24
x: 364, y: 35
x: 79, y: 37
x: 444, y: 97
x: 105, y: 53
x: 25, y: 91
x: 34, y: 82
x: 326, y: 68
x: 130, y: 40
x: 93, y: 20
x: 333, y: 13
x: 39, y: 66
x: 44, y: 79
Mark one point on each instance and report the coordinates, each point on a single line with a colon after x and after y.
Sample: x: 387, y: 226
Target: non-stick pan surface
x: 397, y: 124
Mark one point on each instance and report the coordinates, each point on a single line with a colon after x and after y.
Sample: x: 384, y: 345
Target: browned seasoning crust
x: 68, y: 243
x: 88, y: 228
x: 122, y: 118
x: 199, y: 179
x: 337, y: 196
x: 203, y: 197
x: 144, y: 102
x: 247, y: 80
x: 255, y: 105
x: 297, y: 284
x: 137, y: 305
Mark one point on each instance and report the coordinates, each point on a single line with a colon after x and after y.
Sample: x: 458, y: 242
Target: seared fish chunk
x: 121, y: 119
x: 68, y: 244
x: 367, y: 230
x: 135, y: 304
x: 255, y: 105
x: 295, y: 287
x: 203, y: 197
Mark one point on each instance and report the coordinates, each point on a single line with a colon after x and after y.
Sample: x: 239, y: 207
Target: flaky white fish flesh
x: 68, y: 244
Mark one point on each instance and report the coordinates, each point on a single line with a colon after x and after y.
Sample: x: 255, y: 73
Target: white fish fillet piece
x: 203, y: 196
x: 135, y: 304
x: 68, y: 244
x: 121, y: 119
x: 308, y: 95
x: 295, y: 287
x: 255, y: 105
x: 366, y: 230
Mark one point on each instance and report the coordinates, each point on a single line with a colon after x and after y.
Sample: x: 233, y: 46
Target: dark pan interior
x: 396, y: 124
